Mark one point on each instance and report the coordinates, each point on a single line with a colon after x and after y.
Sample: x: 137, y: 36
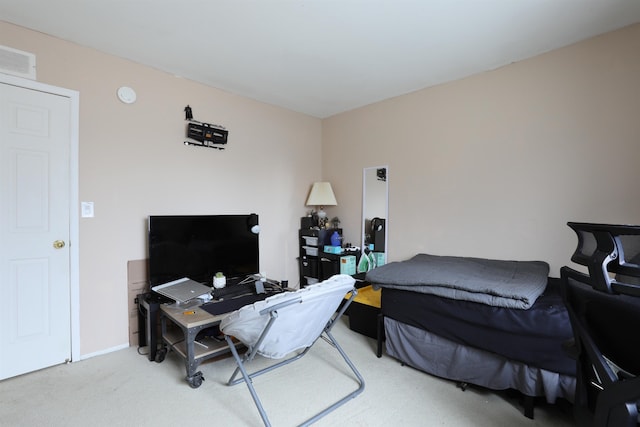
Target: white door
x: 35, y: 325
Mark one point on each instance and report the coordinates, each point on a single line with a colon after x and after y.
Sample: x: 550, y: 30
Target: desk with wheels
x: 180, y: 324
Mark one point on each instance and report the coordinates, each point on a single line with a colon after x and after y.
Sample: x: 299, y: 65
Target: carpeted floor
x: 124, y: 388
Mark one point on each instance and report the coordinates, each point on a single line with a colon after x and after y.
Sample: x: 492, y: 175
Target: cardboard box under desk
x: 363, y: 312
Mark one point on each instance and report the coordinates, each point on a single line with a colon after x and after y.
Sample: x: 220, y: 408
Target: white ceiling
x: 322, y: 57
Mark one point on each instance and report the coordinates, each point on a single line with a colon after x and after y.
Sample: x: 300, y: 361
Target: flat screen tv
x: 198, y: 246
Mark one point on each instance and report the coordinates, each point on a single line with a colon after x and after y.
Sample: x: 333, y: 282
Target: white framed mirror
x: 375, y: 211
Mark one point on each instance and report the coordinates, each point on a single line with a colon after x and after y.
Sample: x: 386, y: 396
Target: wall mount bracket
x: 204, y: 134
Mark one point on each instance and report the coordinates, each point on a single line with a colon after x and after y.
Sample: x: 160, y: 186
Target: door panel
x: 35, y: 330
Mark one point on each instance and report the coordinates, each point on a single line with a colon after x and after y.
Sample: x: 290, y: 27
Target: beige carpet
x: 124, y: 388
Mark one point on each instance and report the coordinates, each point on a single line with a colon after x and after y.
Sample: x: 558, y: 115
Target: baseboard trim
x: 105, y: 351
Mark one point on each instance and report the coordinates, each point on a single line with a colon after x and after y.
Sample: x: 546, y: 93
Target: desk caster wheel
x: 196, y: 380
x: 160, y: 354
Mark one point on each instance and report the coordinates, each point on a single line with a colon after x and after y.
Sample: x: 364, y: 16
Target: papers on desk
x: 206, y: 297
x: 183, y: 290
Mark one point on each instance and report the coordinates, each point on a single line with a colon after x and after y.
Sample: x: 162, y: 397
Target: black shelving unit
x: 315, y: 264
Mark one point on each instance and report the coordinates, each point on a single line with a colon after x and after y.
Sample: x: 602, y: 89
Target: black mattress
x: 533, y: 336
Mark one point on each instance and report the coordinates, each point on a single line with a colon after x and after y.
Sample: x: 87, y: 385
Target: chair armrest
x: 280, y: 305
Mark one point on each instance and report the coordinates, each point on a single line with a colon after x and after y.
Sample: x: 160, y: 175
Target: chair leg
x: 247, y: 380
x: 233, y: 381
x: 348, y: 397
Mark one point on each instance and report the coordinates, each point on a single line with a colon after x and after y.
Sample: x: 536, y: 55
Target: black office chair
x: 604, y: 309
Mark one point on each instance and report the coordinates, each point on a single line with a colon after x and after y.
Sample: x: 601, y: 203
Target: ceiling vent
x: 17, y: 63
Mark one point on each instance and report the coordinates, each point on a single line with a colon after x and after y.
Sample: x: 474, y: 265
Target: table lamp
x: 321, y: 195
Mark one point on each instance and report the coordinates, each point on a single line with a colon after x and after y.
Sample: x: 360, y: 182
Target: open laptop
x: 182, y: 290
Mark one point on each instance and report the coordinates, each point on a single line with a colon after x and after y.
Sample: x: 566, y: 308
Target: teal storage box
x: 348, y: 264
x: 333, y: 249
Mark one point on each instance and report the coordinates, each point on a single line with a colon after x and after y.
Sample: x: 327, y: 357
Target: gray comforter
x: 511, y: 284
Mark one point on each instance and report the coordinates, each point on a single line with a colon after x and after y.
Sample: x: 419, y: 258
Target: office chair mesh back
x: 608, y: 358
x: 604, y: 308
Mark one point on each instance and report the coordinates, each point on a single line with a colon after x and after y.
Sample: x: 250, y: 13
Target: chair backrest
x: 609, y: 319
x: 301, y: 317
x: 607, y: 351
x: 606, y: 248
x: 604, y: 308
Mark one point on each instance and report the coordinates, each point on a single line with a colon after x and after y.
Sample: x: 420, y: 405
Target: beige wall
x: 496, y: 164
x: 493, y: 165
x: 133, y: 163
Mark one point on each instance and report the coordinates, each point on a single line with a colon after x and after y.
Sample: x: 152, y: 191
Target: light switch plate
x: 87, y: 209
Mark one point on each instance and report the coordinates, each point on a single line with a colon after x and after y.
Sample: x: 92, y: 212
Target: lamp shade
x: 321, y: 195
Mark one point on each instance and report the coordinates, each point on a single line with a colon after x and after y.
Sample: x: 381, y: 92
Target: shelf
x: 316, y: 265
x: 206, y: 347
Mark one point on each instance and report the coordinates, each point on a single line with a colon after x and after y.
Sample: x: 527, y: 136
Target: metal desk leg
x: 193, y: 378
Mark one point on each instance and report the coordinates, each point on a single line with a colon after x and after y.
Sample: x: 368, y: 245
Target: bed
x: 492, y: 323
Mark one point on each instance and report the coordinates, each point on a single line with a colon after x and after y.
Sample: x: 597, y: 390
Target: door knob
x: 58, y: 244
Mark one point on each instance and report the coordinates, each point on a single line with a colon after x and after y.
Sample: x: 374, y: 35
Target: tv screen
x: 199, y: 246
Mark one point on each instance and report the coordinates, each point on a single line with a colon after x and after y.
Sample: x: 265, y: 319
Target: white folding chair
x: 287, y: 325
